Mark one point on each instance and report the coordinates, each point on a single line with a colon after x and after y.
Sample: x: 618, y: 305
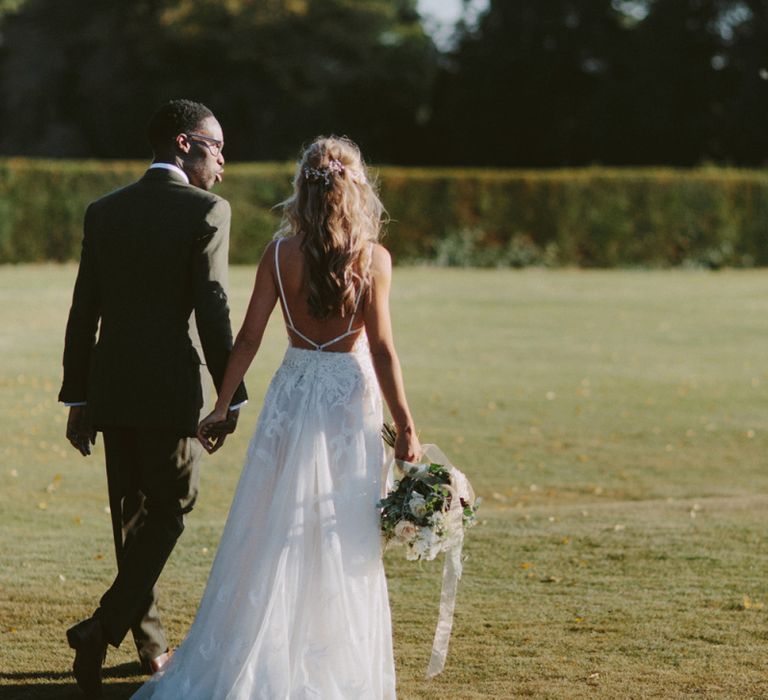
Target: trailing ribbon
x: 451, y: 576
x: 460, y: 488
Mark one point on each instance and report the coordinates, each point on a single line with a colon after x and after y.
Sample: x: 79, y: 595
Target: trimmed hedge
x: 587, y: 217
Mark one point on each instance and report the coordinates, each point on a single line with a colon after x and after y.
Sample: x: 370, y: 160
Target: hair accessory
x: 326, y: 173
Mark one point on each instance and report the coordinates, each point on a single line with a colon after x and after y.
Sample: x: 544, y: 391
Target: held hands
x: 214, y: 428
x: 80, y: 432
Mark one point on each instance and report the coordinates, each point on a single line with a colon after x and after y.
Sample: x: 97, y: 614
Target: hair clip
x: 335, y: 166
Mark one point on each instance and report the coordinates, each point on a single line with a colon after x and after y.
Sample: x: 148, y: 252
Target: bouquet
x: 429, y: 507
x: 427, y: 510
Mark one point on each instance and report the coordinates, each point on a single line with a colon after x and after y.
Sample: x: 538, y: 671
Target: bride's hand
x: 407, y: 445
x: 209, y: 431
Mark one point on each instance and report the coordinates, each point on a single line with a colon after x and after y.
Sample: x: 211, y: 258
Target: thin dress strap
x: 290, y: 324
x: 280, y: 282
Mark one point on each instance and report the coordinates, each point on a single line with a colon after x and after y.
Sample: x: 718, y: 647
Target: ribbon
x: 451, y: 576
x: 460, y: 488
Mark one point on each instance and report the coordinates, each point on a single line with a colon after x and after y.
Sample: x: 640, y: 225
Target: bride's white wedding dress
x: 296, y: 603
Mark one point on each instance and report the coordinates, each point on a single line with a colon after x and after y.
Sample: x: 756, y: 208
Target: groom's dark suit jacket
x: 153, y: 253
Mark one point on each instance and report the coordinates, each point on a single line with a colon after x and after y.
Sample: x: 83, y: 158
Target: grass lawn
x: 615, y: 423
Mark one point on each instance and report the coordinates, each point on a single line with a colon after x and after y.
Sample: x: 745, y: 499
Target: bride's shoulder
x: 288, y: 245
x: 381, y: 260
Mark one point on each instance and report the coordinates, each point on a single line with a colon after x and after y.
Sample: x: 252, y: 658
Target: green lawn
x: 615, y: 424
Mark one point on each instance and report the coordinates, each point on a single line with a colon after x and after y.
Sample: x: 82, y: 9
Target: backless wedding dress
x: 296, y: 604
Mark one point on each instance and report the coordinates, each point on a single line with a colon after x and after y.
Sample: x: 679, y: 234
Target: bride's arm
x: 263, y: 300
x: 378, y: 326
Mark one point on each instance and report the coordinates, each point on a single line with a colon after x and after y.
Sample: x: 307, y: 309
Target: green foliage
x: 42, y: 204
x: 592, y: 217
x: 275, y: 73
x: 574, y: 82
x: 523, y: 84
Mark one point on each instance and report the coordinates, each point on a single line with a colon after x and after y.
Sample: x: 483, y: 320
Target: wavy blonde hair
x: 336, y: 209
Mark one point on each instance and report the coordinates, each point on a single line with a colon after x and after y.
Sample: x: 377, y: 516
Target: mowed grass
x: 615, y: 423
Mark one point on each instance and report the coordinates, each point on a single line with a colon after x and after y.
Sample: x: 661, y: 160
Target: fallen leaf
x: 748, y: 604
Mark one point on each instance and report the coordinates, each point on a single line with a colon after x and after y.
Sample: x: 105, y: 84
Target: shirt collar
x: 172, y: 168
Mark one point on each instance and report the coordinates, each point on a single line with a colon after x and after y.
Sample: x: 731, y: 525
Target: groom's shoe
x: 88, y: 641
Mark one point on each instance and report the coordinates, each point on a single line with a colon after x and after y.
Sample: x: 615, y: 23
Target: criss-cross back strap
x: 290, y: 324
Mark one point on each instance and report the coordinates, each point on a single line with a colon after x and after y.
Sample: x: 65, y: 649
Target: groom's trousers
x: 152, y: 477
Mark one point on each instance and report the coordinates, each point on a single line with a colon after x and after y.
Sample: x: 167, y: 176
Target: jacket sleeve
x: 83, y: 322
x: 211, y: 306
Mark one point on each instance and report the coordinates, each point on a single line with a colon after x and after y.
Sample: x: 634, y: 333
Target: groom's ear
x: 182, y: 143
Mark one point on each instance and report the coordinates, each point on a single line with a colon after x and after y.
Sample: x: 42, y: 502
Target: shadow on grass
x: 50, y: 685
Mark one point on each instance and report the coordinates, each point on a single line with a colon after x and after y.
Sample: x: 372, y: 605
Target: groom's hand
x: 80, y: 432
x: 212, y: 433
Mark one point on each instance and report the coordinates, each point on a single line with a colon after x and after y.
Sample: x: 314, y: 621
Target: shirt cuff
x: 75, y: 403
x: 238, y: 406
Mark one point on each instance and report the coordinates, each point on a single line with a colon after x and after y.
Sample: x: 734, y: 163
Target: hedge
x: 586, y: 217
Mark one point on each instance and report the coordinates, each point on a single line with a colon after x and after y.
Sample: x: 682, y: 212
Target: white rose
x: 438, y: 521
x: 405, y: 531
x: 431, y: 543
x: 426, y: 546
x: 417, y: 505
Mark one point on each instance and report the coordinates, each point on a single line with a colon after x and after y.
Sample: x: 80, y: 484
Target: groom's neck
x: 170, y: 160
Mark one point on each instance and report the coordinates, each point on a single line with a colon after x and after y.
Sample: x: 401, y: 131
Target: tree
x: 570, y: 82
x: 520, y: 87
x: 744, y: 109
x: 86, y: 74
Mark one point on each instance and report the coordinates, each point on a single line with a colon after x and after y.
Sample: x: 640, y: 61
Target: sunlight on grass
x: 615, y: 424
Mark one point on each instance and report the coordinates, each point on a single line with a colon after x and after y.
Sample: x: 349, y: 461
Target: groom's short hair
x: 173, y: 118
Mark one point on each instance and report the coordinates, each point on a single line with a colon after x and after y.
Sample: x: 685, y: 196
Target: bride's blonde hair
x: 336, y: 209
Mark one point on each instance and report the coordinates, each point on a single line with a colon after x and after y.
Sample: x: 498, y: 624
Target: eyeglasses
x: 213, y: 145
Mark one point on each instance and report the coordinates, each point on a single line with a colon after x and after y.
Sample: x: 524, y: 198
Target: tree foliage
x: 571, y: 82
x: 531, y: 83
x: 86, y: 74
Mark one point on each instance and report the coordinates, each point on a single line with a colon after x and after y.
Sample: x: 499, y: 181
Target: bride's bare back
x: 334, y: 334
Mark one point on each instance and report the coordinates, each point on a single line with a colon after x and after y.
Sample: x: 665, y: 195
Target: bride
x: 296, y: 602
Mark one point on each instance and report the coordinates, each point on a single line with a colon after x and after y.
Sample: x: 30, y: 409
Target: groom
x: 152, y: 253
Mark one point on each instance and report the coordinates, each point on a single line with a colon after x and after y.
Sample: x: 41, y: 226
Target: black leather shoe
x: 87, y: 639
